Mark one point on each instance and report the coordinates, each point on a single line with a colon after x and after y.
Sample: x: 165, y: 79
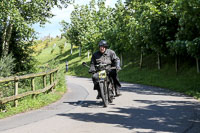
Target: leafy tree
x: 193, y: 48
x: 161, y: 19
x: 189, y: 21
x: 6, y: 66
x: 117, y: 35
x: 88, y: 25
x: 152, y: 25
x: 16, y: 19
x: 189, y: 26
x: 177, y: 48
x: 137, y: 30
x: 162, y: 27
x: 68, y: 33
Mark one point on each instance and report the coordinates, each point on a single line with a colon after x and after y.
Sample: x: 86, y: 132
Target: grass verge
x: 186, y: 81
x: 47, y: 59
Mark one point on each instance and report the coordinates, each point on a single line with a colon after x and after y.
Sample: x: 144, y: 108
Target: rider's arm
x: 92, y: 65
x: 115, y: 60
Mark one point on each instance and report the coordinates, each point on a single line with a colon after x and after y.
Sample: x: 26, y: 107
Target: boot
x: 117, y: 92
x: 98, y: 95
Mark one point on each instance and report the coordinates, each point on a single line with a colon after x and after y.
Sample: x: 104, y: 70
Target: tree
x: 137, y: 29
x: 153, y: 23
x: 189, y: 20
x: 17, y: 16
x: 193, y: 48
x: 5, y: 68
x: 118, y: 35
x: 189, y: 26
x: 177, y: 48
x: 88, y: 25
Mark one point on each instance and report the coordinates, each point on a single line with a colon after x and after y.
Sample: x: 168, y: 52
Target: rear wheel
x: 104, y: 93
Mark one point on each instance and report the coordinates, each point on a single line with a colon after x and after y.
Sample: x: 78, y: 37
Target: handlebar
x: 99, y: 66
x: 84, y: 64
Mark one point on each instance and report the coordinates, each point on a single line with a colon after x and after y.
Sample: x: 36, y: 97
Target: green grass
x: 46, y: 60
x: 185, y: 81
x: 28, y: 104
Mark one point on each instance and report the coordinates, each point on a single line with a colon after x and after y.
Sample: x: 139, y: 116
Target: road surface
x: 140, y: 109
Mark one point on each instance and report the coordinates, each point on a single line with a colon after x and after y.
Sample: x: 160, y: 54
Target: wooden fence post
x: 33, y: 86
x: 1, y: 94
x: 51, y: 80
x: 16, y: 89
x: 44, y: 81
x: 33, y: 92
x: 57, y: 75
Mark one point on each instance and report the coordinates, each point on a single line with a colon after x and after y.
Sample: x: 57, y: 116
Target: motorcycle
x: 106, y: 83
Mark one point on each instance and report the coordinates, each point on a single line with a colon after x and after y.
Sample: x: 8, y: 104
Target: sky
x: 53, y: 28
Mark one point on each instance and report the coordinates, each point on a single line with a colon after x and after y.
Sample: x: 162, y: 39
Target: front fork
x: 103, y: 81
x: 110, y: 89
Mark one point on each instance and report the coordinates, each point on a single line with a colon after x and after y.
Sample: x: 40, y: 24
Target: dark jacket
x: 109, y: 57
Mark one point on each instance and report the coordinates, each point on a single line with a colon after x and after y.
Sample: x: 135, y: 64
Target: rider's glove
x: 92, y: 69
x: 118, y: 65
x: 118, y: 68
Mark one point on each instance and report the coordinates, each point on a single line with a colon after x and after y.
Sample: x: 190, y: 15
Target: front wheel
x: 104, y: 93
x: 110, y: 93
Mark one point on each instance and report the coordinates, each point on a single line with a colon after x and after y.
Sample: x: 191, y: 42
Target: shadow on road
x: 86, y: 103
x: 149, y: 90
x: 156, y: 116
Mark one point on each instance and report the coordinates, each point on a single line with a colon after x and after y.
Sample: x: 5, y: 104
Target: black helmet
x: 103, y: 43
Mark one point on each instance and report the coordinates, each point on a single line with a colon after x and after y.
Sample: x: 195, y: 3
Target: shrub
x: 7, y: 65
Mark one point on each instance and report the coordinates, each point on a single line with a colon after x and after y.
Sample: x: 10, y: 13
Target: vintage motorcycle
x: 105, y: 82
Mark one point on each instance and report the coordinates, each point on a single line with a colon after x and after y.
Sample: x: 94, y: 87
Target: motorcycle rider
x: 109, y: 57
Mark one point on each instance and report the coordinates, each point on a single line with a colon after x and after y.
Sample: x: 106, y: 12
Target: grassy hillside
x: 50, y: 55
x: 186, y: 80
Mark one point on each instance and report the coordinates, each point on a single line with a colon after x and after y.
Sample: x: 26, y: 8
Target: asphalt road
x: 140, y: 109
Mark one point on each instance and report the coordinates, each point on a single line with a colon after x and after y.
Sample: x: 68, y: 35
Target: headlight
x: 102, y: 74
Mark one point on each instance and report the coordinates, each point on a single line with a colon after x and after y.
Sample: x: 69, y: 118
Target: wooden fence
x: 53, y: 81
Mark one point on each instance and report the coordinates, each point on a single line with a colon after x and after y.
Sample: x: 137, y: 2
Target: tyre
x: 104, y: 93
x: 110, y: 93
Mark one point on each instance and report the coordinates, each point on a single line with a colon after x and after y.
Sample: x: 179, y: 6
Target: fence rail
x: 33, y: 92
